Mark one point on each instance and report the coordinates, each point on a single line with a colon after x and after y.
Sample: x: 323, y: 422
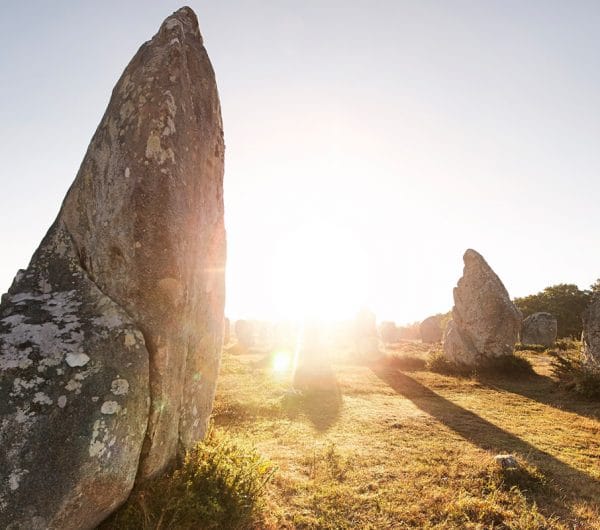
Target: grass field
x: 388, y: 444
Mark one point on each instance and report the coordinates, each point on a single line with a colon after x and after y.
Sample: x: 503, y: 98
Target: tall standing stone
x: 431, y: 329
x: 485, y: 323
x: 110, y: 340
x: 590, y: 337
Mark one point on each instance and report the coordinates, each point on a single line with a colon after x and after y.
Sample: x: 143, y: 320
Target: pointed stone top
x: 471, y: 255
x: 183, y: 20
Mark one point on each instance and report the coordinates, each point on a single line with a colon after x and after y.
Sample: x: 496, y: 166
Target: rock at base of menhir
x: 122, y: 301
x: 485, y: 323
x: 590, y: 337
x: 539, y: 328
x: 431, y: 329
x: 73, y: 395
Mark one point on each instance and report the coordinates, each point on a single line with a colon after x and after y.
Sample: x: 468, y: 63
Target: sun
x: 282, y: 362
x: 319, y: 271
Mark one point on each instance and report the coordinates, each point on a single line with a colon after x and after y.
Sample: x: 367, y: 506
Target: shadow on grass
x: 488, y: 436
x: 547, y: 391
x: 317, y: 395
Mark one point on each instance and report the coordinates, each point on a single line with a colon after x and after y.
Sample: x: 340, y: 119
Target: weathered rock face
x: 123, y: 300
x: 591, y: 335
x: 485, y: 323
x: 539, y: 328
x: 73, y: 395
x: 431, y: 329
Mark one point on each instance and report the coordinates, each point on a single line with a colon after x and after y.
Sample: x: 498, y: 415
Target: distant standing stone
x: 485, y: 323
x: 591, y: 335
x: 431, y: 329
x: 365, y: 334
x: 539, y: 328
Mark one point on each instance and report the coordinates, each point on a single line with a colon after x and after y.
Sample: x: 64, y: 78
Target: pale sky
x: 368, y: 143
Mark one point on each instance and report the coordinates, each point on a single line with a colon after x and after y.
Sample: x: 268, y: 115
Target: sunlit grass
x: 397, y: 446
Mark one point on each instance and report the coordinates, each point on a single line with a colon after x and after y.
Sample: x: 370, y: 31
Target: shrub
x: 573, y: 375
x: 220, y: 484
x: 513, y: 365
x: 530, y: 347
x: 568, y: 344
x: 439, y: 363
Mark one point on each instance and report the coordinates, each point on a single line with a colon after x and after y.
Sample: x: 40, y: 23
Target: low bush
x: 530, y: 347
x: 568, y: 344
x: 513, y: 365
x: 574, y: 375
x: 220, y: 484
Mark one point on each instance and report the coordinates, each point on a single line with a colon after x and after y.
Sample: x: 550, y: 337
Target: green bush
x: 513, y: 365
x: 220, y: 484
x: 573, y: 375
x: 530, y: 347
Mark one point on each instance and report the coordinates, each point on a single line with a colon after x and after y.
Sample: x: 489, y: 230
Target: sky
x: 368, y: 143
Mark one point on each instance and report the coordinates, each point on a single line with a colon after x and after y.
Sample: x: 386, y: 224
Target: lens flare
x: 282, y: 362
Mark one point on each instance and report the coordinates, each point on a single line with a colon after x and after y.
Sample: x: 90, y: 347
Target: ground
x: 388, y: 444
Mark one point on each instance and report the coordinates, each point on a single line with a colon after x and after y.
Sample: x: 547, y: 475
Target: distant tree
x: 595, y: 287
x: 565, y: 301
x: 409, y: 331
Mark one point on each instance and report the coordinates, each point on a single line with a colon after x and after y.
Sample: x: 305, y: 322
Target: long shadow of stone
x: 488, y: 436
x: 317, y: 395
x: 545, y: 390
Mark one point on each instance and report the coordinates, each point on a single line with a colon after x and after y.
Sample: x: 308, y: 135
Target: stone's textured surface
x: 454, y: 347
x: 124, y: 298
x: 146, y: 216
x: 64, y: 463
x: 539, y: 328
x: 226, y: 331
x: 485, y: 323
x: 591, y: 335
x: 431, y: 329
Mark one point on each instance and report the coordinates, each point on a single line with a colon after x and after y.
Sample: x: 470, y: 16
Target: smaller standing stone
x: 431, y: 329
x: 539, y: 328
x: 365, y: 333
x: 244, y: 333
x: 485, y: 323
x: 591, y: 335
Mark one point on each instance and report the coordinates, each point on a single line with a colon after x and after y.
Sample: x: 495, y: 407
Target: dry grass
x: 391, y: 445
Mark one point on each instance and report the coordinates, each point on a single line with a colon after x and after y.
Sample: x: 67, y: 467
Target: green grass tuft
x: 220, y: 484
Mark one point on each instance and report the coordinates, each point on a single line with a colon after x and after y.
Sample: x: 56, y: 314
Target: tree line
x: 565, y: 301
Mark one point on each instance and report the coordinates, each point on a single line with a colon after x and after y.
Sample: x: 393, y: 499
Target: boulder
x: 431, y: 329
x: 590, y: 337
x: 244, y: 333
x: 539, y: 328
x: 110, y: 341
x: 366, y: 339
x: 388, y: 332
x: 485, y: 323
